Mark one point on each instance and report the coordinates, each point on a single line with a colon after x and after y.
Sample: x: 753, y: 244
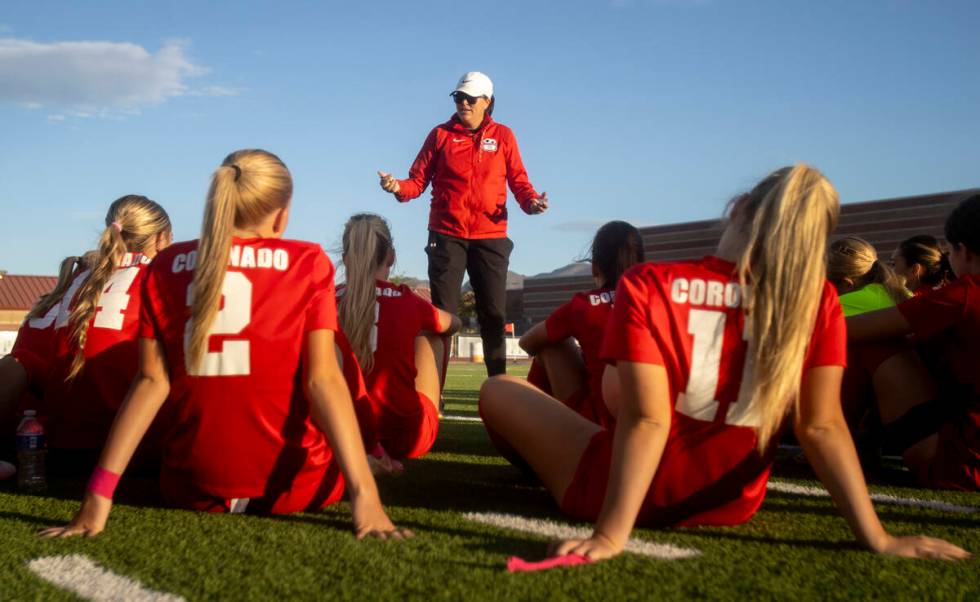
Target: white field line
x: 458, y: 418
x: 83, y: 577
x: 553, y: 530
x: 882, y: 498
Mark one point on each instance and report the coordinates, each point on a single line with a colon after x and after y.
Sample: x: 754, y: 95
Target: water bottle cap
x: 29, y: 413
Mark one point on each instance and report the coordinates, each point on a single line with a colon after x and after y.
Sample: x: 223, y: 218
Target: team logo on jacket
x: 489, y: 145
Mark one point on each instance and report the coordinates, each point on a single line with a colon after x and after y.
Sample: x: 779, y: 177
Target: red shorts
x: 588, y: 406
x: 411, y: 435
x: 183, y: 493
x: 726, y: 502
x: 956, y: 464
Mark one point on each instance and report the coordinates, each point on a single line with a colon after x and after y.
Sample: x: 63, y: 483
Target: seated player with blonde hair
x: 712, y: 356
x: 237, y: 336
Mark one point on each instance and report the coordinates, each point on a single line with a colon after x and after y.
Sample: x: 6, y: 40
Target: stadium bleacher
x: 884, y: 223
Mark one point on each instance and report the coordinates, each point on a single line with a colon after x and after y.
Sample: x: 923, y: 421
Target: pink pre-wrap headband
x: 117, y: 226
x: 103, y: 482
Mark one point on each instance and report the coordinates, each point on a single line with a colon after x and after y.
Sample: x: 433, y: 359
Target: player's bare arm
x: 146, y: 396
x: 333, y: 412
x: 643, y: 423
x: 535, y: 339
x: 888, y: 323
x: 823, y: 434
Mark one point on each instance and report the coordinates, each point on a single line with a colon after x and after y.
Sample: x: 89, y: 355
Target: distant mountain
x: 410, y: 281
x: 579, y: 268
x: 514, y: 281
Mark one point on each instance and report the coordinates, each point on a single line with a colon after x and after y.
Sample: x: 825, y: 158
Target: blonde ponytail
x: 789, y: 216
x: 855, y: 259
x: 132, y: 224
x: 367, y: 243
x: 249, y: 185
x: 49, y: 300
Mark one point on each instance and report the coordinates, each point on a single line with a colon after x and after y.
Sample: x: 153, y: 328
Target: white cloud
x: 97, y: 79
x: 216, y: 91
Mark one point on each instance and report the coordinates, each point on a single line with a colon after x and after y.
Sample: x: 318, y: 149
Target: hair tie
x: 116, y: 226
x: 238, y: 171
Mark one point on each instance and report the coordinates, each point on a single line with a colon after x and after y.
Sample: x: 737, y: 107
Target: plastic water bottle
x: 30, y: 454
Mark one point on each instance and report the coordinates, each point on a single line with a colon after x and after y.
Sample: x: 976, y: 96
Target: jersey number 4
x: 707, y: 329
x: 110, y: 312
x: 234, y: 316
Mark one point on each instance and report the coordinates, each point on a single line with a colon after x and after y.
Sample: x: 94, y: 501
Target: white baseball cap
x: 475, y: 84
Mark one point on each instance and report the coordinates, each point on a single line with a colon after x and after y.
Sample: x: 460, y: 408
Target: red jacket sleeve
x: 420, y: 173
x: 516, y: 174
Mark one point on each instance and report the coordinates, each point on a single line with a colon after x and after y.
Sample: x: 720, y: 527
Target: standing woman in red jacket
x: 470, y: 161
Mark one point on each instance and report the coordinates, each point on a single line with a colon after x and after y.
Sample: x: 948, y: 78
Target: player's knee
x: 494, y: 394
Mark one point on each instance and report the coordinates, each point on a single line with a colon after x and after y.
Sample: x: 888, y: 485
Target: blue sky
x: 653, y: 111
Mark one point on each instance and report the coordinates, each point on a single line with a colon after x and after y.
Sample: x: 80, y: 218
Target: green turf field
x: 796, y: 547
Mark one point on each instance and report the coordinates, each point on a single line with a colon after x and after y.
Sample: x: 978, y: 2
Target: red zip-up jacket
x: 469, y: 172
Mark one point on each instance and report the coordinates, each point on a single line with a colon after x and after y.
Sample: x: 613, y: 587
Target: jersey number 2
x: 707, y: 329
x: 234, y: 316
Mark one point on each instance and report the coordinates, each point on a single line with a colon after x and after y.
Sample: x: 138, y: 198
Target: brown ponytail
x: 249, y: 185
x: 132, y: 223
x: 617, y: 246
x: 367, y: 242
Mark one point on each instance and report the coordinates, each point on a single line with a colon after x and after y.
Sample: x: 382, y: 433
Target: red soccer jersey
x: 401, y: 316
x: 35, y: 344
x: 585, y: 317
x: 79, y: 413
x: 241, y: 422
x: 688, y: 318
x: 949, y: 320
x: 951, y: 315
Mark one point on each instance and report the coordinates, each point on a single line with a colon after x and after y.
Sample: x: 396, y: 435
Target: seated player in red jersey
x: 23, y: 369
x: 398, y: 340
x: 711, y: 355
x: 78, y: 346
x: 923, y: 263
x: 940, y: 435
x: 237, y: 335
x: 875, y: 370
x: 573, y: 374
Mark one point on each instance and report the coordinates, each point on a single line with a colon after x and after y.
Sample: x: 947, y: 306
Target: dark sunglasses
x: 461, y: 97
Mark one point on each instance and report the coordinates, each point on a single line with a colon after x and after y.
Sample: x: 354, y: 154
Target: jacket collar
x: 456, y: 125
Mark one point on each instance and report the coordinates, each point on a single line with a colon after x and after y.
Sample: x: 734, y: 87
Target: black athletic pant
x: 486, y: 260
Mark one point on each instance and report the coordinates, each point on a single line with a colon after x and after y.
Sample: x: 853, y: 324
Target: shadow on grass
x: 893, y: 475
x: 461, y: 396
x: 815, y: 544
x: 464, y: 438
x: 782, y: 503
x: 464, y: 487
x: 472, y: 539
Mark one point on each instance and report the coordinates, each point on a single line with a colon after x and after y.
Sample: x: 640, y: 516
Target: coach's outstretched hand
x: 89, y: 521
x: 370, y: 520
x: 920, y: 546
x: 594, y: 548
x: 388, y: 182
x: 538, y: 205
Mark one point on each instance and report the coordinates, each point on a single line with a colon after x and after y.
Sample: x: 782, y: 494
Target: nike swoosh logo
x: 460, y: 139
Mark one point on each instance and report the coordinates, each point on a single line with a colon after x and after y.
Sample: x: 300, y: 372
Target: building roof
x: 22, y: 292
